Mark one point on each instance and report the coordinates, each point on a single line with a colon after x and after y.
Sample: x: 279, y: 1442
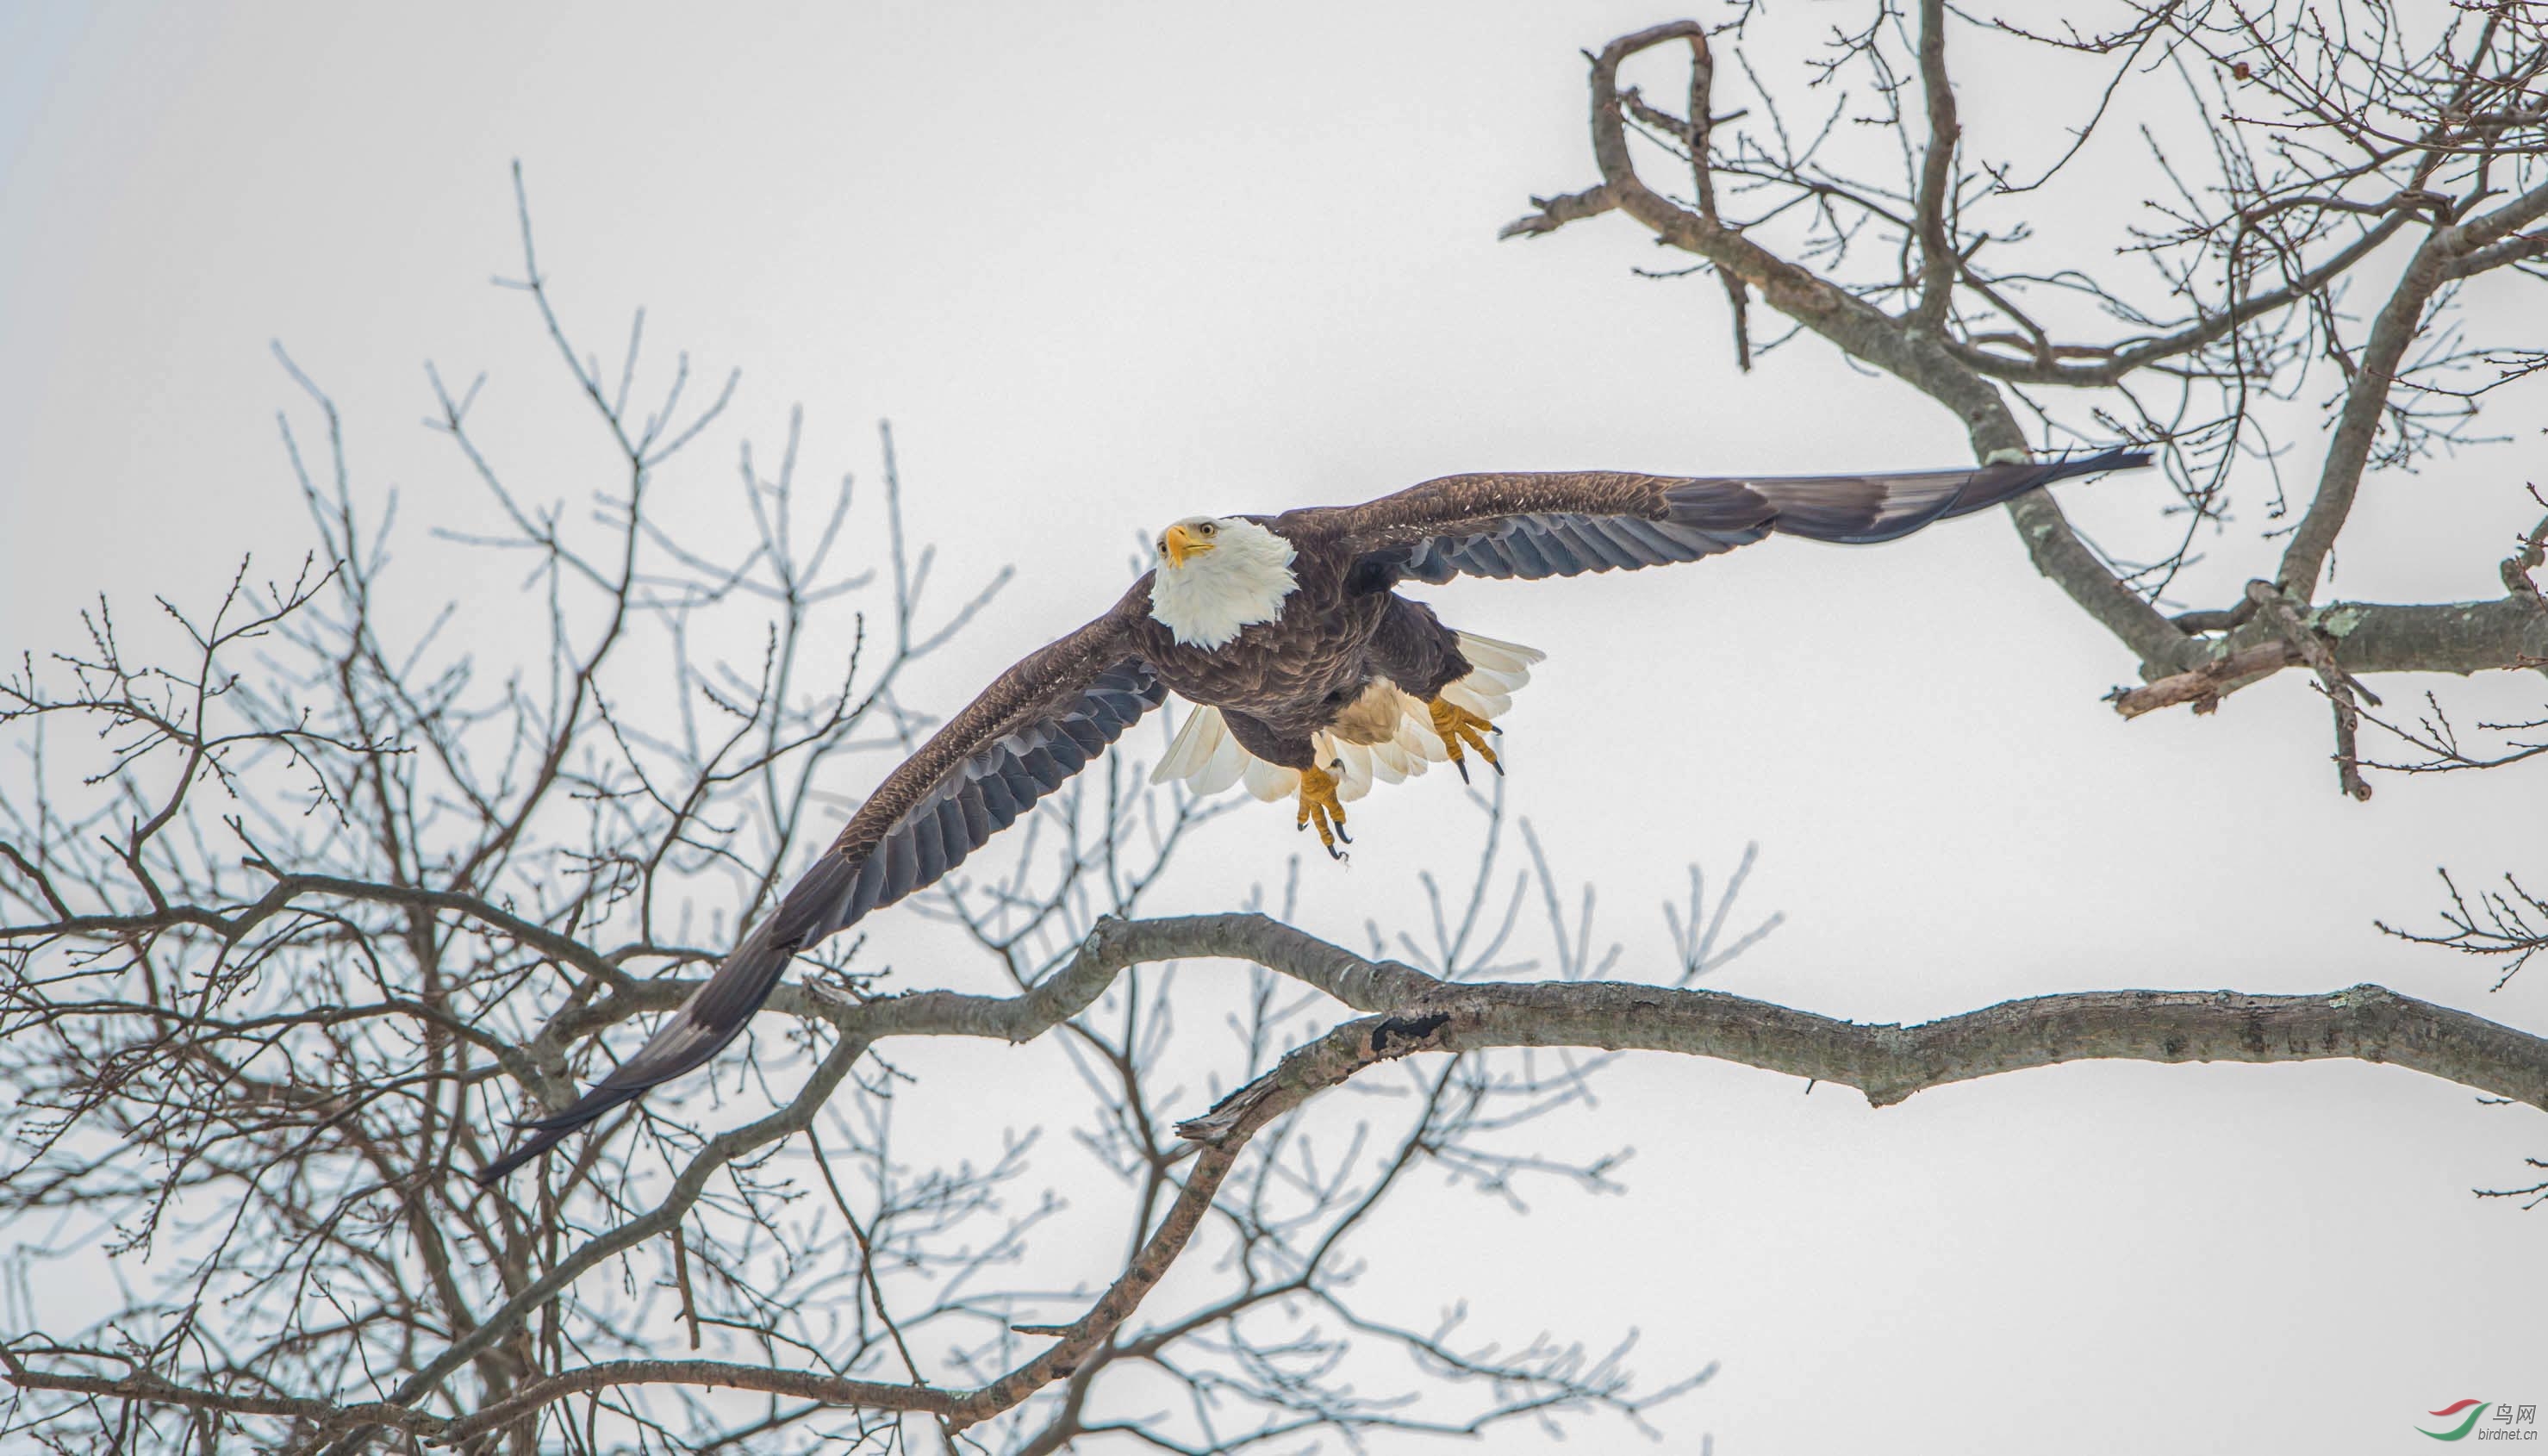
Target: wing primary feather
x: 1039, y: 770
x: 1524, y: 552
x: 978, y: 827
x: 1672, y: 543
x: 1623, y: 550
x: 996, y: 800
x: 1593, y: 547
x: 868, y: 890
x: 954, y: 832
x: 1556, y: 545
x: 928, y: 839
x: 1023, y: 786
x: 1652, y: 542
x: 1583, y: 543
x: 1044, y: 765
x: 1090, y: 738
x: 901, y: 867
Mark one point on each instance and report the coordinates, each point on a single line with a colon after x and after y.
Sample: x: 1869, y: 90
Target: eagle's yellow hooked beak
x: 1180, y: 543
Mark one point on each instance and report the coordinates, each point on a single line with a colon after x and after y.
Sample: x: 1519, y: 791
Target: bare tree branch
x: 2338, y: 139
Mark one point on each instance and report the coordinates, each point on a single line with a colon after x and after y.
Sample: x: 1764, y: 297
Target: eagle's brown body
x: 1283, y: 666
x: 1285, y: 680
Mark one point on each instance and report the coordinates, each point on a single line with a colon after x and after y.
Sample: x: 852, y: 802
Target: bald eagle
x: 1312, y: 678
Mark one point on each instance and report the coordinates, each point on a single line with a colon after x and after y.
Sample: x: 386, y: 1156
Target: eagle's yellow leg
x: 1320, y: 806
x: 1461, y: 730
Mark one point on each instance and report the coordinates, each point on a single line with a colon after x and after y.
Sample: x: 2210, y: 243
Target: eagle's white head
x: 1217, y: 575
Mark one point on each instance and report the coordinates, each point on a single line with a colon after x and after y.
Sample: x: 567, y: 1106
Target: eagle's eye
x: 1207, y: 528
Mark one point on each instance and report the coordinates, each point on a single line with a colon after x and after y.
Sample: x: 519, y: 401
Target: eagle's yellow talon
x: 1320, y: 808
x: 1461, y: 730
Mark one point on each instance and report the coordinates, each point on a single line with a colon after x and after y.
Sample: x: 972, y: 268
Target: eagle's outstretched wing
x: 1029, y: 731
x: 1561, y: 523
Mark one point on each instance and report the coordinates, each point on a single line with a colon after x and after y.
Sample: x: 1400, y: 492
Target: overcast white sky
x: 1107, y: 266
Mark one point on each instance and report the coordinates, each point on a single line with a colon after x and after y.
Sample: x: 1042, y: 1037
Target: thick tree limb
x: 1890, y: 1062
x: 2185, y: 1025
x: 2505, y: 634
x: 1415, y: 1012
x: 2439, y: 637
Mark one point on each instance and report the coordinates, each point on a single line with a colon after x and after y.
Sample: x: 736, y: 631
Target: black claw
x: 1342, y: 836
x: 1463, y: 766
x: 1334, y: 854
x: 1498, y: 766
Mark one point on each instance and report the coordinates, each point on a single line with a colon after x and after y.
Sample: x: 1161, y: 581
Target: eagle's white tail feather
x: 1391, y: 763
x: 1268, y: 781
x: 1353, y: 764
x: 1204, y: 753
x: 1487, y: 654
x: 1206, y: 756
x: 1191, y: 751
x: 1495, y: 670
x: 1228, y: 761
